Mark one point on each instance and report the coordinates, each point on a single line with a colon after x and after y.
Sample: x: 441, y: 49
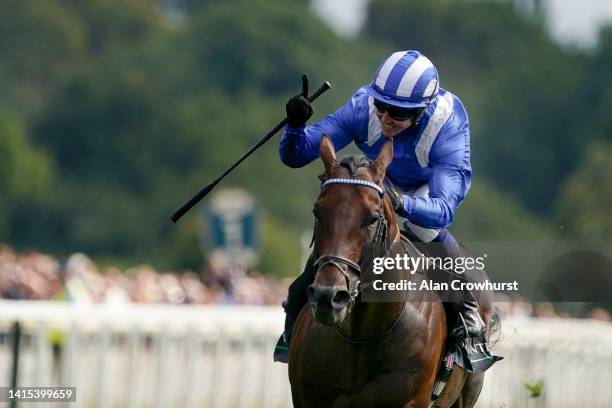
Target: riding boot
x: 296, y: 299
x: 468, y: 332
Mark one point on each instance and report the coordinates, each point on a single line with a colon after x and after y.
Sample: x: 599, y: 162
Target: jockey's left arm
x: 449, y: 159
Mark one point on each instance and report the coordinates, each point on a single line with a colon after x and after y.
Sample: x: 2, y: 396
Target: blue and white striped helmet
x: 407, y: 79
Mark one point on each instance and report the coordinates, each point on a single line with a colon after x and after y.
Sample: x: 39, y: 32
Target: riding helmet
x: 407, y: 79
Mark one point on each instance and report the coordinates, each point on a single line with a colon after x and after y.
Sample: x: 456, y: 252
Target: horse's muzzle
x: 329, y: 303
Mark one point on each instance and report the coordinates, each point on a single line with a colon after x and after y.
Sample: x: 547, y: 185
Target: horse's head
x: 350, y: 211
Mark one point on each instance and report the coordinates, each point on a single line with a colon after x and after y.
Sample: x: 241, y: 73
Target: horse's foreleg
x: 453, y: 389
x: 471, y: 390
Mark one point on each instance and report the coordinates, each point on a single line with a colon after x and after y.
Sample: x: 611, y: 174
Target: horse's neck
x: 378, y: 310
x: 371, y: 320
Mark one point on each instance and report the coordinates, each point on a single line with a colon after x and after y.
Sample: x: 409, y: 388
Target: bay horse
x: 350, y: 353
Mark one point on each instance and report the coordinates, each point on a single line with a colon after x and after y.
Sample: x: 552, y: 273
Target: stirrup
x: 281, y: 351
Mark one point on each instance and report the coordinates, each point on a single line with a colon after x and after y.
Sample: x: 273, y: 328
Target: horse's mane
x: 351, y: 163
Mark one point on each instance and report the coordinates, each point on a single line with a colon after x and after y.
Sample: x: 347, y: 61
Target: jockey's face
x: 391, y: 127
x: 394, y: 119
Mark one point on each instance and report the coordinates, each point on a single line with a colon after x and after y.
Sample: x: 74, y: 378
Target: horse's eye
x: 371, y: 220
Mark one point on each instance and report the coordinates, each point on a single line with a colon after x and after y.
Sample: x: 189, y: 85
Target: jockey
x: 428, y: 178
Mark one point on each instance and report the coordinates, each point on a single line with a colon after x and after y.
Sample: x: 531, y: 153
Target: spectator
x: 37, y: 276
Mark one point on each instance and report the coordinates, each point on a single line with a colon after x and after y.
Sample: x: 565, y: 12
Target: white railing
x: 149, y: 355
x: 216, y: 356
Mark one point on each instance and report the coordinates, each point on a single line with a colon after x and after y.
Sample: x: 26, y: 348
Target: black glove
x: 299, y: 109
x: 396, y: 198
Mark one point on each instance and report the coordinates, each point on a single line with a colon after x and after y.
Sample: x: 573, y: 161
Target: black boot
x: 468, y: 331
x: 469, y: 322
x: 468, y: 336
x: 296, y: 299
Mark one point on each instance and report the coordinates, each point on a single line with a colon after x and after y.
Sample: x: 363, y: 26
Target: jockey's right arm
x: 300, y: 145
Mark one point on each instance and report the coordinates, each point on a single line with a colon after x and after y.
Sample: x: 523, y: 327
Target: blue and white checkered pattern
x: 357, y: 182
x: 407, y: 79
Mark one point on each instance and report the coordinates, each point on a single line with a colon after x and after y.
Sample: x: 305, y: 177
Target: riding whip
x: 202, y: 193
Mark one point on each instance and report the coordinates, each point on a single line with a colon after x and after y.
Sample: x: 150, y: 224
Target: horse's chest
x: 396, y: 371
x: 350, y: 380
x: 352, y: 369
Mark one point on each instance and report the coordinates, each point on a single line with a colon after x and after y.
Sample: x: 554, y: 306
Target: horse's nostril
x: 341, y: 298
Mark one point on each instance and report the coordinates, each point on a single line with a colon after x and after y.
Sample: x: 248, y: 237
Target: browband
x: 357, y: 182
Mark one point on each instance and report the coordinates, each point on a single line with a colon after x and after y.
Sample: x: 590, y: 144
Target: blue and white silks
x: 435, y: 152
x: 406, y: 79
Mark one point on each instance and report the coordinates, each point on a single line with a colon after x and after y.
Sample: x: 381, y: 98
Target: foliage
x: 125, y: 111
x: 514, y: 80
x: 25, y: 171
x: 492, y: 215
x: 536, y: 389
x: 44, y: 41
x: 281, y: 249
x: 584, y: 205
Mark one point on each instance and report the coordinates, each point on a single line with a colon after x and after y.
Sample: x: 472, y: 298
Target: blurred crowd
x: 524, y: 308
x: 37, y: 276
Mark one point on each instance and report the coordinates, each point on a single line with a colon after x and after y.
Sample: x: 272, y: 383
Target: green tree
x: 135, y: 112
x: 596, y: 122
x: 515, y: 94
x: 120, y: 152
x: 584, y: 205
x: 156, y: 111
x: 492, y: 215
x: 44, y: 41
x: 281, y: 249
x: 25, y: 171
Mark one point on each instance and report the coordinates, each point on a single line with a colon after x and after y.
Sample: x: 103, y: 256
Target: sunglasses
x: 396, y: 113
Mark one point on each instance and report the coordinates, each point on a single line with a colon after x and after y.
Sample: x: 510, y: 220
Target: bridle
x: 378, y: 238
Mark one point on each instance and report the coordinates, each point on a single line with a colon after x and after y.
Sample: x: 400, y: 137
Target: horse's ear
x: 328, y: 154
x: 383, y: 160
